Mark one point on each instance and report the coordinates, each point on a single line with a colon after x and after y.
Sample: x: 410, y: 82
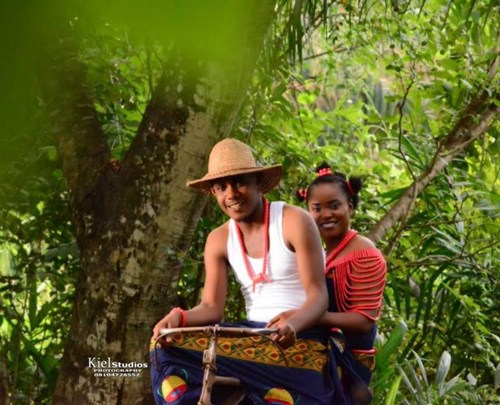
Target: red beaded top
x: 358, y: 278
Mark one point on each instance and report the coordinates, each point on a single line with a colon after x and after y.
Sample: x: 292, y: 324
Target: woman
x: 355, y: 274
x: 275, y: 251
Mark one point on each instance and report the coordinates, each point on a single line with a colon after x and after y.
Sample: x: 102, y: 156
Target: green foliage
x: 421, y: 389
x: 379, y: 87
x: 370, y: 87
x: 121, y: 72
x: 385, y: 372
x: 39, y: 260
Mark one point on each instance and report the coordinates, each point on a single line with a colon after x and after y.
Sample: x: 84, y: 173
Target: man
x: 275, y: 251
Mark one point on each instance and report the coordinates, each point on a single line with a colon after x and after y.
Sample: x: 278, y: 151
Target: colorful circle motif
x: 172, y: 388
x: 278, y: 396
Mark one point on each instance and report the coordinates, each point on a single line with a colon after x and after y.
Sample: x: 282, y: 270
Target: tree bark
x: 478, y: 116
x: 134, y: 221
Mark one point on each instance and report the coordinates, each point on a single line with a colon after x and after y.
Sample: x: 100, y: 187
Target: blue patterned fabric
x: 355, y: 376
x: 178, y: 377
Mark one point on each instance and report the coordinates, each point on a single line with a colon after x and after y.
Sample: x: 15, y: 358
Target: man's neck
x: 254, y: 221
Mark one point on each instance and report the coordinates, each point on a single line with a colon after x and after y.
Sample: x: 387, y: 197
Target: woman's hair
x: 350, y: 187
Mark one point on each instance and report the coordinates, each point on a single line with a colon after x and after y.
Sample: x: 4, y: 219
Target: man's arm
x: 301, y: 232
x: 302, y: 235
x: 211, y: 308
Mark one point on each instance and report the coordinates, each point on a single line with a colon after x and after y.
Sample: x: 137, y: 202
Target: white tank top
x: 285, y: 291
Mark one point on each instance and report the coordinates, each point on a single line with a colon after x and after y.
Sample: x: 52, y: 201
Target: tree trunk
x: 134, y: 221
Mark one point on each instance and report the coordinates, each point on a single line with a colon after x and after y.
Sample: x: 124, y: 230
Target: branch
x: 434, y: 260
x: 338, y: 49
x: 400, y: 128
x: 413, y: 194
x: 475, y: 121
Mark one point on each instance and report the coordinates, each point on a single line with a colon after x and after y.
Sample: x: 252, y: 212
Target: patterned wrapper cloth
x: 308, y: 378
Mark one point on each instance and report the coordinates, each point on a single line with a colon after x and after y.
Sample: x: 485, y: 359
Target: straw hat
x: 231, y: 157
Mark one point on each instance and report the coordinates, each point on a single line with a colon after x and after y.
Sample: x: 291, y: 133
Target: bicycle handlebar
x: 216, y: 331
x: 219, y: 331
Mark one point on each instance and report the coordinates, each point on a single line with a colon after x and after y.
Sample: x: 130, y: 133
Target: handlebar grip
x: 264, y: 331
x: 220, y: 329
x: 168, y: 331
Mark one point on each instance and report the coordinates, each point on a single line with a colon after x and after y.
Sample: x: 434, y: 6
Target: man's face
x: 238, y: 196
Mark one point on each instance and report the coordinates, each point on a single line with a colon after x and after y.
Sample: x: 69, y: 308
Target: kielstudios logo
x: 110, y: 368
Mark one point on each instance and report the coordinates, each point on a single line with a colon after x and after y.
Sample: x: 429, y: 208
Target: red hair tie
x: 303, y: 192
x: 324, y: 172
x: 348, y: 182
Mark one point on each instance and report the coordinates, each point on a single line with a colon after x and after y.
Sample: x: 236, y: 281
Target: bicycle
x: 210, y: 355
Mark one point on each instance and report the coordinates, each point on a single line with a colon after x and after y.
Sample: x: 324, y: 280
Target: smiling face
x: 238, y: 196
x: 331, y: 209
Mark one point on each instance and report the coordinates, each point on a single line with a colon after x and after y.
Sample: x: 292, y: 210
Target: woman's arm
x: 359, y: 285
x: 347, y: 321
x: 211, y: 307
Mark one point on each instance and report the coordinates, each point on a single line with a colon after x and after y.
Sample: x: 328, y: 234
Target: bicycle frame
x: 210, y: 355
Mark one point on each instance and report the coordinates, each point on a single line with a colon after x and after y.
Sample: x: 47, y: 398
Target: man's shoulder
x: 296, y: 222
x: 294, y: 213
x: 217, y: 240
x: 220, y: 232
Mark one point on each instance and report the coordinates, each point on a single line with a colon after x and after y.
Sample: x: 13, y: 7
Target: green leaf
x: 422, y: 368
x: 392, y: 344
x: 46, y: 362
x: 443, y: 368
x: 306, y: 98
x: 6, y: 262
x: 393, y: 195
x: 408, y: 384
x: 32, y: 307
x: 412, y: 151
x: 352, y: 114
x: 393, y: 391
x: 418, y: 390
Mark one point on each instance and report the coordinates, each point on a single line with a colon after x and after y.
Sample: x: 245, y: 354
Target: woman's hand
x: 286, y: 335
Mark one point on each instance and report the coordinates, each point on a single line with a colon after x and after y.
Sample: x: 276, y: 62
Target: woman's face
x: 331, y: 209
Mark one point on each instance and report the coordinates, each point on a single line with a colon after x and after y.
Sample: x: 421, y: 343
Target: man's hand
x: 283, y: 316
x: 286, y: 335
x: 172, y: 320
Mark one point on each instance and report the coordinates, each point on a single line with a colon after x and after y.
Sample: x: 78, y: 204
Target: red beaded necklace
x: 351, y: 233
x: 261, y: 277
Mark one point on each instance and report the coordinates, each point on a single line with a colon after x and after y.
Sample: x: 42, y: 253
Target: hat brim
x: 268, y: 179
